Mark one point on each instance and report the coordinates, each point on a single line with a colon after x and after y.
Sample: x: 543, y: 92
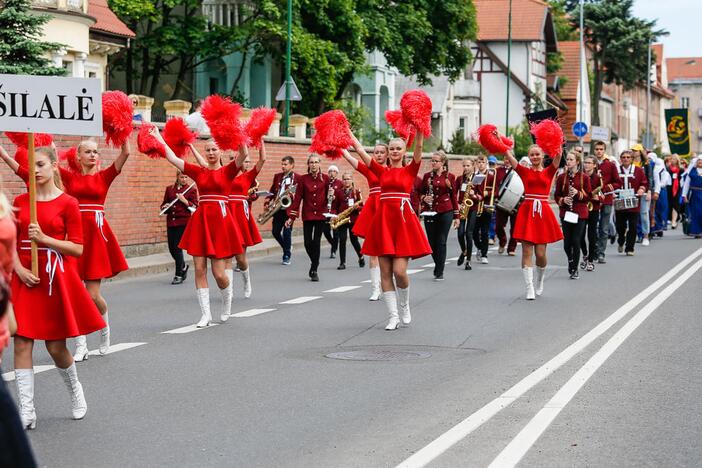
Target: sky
x: 681, y: 18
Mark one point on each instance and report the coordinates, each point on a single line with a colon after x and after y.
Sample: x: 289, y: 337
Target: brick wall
x: 135, y: 197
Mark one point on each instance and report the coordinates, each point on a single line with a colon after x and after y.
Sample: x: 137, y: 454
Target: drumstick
x: 168, y: 207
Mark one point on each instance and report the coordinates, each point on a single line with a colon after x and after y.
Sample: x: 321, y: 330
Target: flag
x: 678, y: 131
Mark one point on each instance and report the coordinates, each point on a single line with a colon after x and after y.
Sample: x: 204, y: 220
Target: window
x: 462, y: 125
x: 685, y: 102
x: 214, y: 86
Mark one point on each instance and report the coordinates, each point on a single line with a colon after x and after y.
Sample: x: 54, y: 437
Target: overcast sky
x: 681, y: 18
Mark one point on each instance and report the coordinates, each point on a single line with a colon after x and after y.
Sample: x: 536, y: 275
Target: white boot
x: 78, y: 405
x: 247, y: 282
x: 227, y: 296
x: 375, y: 284
x: 105, y: 335
x: 528, y: 273
x: 390, y: 298
x: 540, y: 277
x: 203, y: 297
x: 24, y: 378
x: 81, y: 349
x: 403, y: 302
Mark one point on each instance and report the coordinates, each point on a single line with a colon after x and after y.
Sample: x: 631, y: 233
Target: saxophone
x: 344, y: 217
x: 595, y: 194
x: 466, y: 202
x: 282, y: 201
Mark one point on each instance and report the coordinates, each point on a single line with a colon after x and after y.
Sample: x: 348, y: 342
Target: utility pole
x: 509, y: 64
x: 287, y: 71
x: 647, y: 140
x: 582, y: 64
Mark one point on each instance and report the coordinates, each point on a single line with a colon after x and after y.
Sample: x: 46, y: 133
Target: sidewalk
x: 162, y: 262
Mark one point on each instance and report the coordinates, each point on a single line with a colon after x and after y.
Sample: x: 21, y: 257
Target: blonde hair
x: 51, y: 154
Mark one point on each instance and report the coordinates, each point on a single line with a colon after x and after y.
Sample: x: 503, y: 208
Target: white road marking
x: 252, y: 312
x: 464, y: 428
x: 526, y: 438
x: 341, y: 289
x: 429, y: 265
x: 366, y: 281
x: 187, y: 329
x: 452, y: 259
x: 413, y: 271
x: 10, y: 376
x: 301, y: 300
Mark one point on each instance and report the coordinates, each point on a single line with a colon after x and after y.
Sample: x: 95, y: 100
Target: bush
x: 458, y: 144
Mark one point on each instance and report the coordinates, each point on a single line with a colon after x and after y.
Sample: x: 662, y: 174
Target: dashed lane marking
x: 413, y: 271
x: 10, y: 376
x: 301, y: 300
x: 187, y: 329
x: 252, y: 312
x: 342, y: 289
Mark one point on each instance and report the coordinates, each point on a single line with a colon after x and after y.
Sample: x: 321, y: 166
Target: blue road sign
x: 579, y: 129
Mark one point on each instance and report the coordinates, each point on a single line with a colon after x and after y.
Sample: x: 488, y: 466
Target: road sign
x: 600, y: 134
x: 50, y: 104
x: 579, y: 129
x: 294, y: 92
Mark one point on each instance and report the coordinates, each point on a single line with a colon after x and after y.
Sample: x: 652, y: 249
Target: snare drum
x: 626, y: 200
x: 511, y: 193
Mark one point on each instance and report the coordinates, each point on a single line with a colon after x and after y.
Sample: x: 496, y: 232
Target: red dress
x: 535, y: 221
x: 102, y: 257
x: 395, y: 230
x: 212, y: 231
x: 59, y: 306
x: 365, y: 218
x: 241, y: 209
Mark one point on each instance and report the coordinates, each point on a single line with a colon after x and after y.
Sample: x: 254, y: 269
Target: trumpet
x: 344, y: 217
x: 466, y: 202
x: 281, y: 202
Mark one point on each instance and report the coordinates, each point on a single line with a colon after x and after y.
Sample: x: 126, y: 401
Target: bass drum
x: 510, y: 193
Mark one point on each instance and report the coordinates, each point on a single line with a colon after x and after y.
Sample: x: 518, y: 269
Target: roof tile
x: 527, y: 19
x: 107, y: 21
x: 684, y: 67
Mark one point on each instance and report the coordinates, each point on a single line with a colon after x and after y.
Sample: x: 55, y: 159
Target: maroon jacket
x: 610, y: 180
x: 275, y: 186
x: 459, y: 192
x: 635, y: 180
x: 179, y: 214
x: 343, y: 199
x: 595, y: 199
x: 581, y: 183
x: 313, y: 190
x: 442, y: 187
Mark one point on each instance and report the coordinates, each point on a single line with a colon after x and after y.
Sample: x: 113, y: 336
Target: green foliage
x: 562, y: 21
x: 21, y: 49
x: 522, y: 139
x: 459, y: 144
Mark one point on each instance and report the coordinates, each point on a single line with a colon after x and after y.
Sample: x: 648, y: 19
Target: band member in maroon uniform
x: 466, y: 218
x: 501, y: 217
x: 281, y: 182
x: 484, y: 212
x: 437, y: 197
x: 334, y: 184
x: 607, y: 170
x: 348, y: 197
x: 312, y: 192
x: 572, y: 194
x: 177, y: 217
x: 589, y: 242
x: 633, y: 178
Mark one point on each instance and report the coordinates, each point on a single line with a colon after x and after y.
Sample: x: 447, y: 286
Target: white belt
x: 50, y: 266
x: 374, y: 191
x: 404, y: 200
x: 244, y: 199
x: 99, y: 214
x: 537, y: 206
x: 221, y: 199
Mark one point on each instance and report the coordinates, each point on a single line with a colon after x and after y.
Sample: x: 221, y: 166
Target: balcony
x: 466, y: 89
x: 80, y: 6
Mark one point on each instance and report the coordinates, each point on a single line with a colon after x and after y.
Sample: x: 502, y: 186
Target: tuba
x: 466, y: 202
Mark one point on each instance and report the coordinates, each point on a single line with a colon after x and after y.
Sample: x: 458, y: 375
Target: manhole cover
x: 369, y: 355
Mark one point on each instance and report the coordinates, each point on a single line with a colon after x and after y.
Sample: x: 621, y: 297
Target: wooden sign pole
x: 32, y: 200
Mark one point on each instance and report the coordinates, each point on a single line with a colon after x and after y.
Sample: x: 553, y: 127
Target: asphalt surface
x: 258, y: 391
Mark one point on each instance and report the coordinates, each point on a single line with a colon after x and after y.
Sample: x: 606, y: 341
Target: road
x: 603, y: 371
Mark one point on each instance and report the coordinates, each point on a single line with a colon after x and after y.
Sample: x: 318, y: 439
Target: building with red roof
x: 685, y: 80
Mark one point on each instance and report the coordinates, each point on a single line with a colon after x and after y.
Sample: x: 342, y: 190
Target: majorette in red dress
x: 241, y: 208
x: 395, y: 230
x: 211, y: 231
x: 59, y: 306
x: 365, y: 218
x: 535, y: 221
x: 102, y: 257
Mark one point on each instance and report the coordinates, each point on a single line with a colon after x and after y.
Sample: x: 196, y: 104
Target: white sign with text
x: 600, y: 133
x: 51, y: 104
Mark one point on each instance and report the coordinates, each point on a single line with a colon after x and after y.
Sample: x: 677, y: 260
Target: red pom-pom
x: 403, y: 127
x: 549, y: 136
x: 148, y: 144
x: 332, y: 134
x: 222, y: 116
x: 22, y: 156
x: 489, y: 138
x: 178, y: 136
x: 257, y: 127
x: 22, y: 139
x: 416, y: 109
x: 71, y: 158
x: 117, y: 112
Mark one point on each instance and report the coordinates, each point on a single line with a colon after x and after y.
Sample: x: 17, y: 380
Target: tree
x: 21, y: 49
x: 619, y: 43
